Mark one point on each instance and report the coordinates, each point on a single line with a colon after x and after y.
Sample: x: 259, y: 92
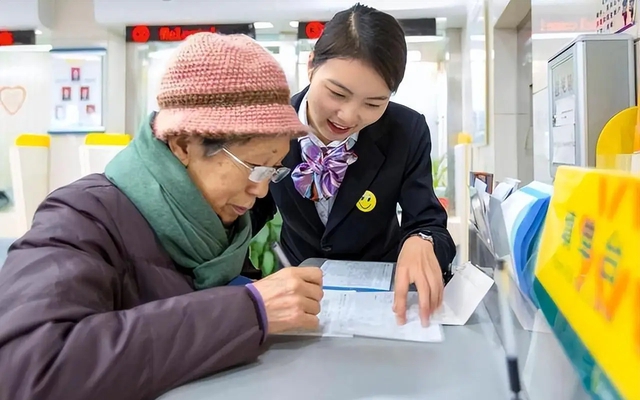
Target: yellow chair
x: 616, y: 142
x: 107, y: 139
x: 29, y: 164
x: 98, y: 149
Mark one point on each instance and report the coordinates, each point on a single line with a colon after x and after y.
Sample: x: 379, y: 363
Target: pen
x: 284, y: 261
x: 507, y: 330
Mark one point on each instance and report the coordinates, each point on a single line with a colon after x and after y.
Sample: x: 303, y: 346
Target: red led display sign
x: 310, y: 30
x: 16, y: 38
x: 411, y: 27
x: 178, y: 33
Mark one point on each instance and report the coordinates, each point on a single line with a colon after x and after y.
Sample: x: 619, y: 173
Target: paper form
x: 564, y: 144
x: 564, y: 135
x: 565, y: 111
x: 357, y: 275
x: 371, y: 315
x: 332, y: 306
x: 462, y: 295
x: 503, y: 190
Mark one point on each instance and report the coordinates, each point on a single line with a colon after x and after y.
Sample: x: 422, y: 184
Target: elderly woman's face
x: 225, y: 182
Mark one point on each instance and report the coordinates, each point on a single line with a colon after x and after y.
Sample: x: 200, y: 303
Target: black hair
x: 368, y: 35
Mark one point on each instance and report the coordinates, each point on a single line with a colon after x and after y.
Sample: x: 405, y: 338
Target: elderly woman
x: 121, y: 290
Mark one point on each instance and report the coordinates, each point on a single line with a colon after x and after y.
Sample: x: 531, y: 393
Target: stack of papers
x: 368, y: 312
x: 505, y: 189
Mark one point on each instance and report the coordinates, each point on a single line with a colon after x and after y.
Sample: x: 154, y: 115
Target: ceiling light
x: 263, y: 25
x: 423, y: 39
x: 558, y: 35
x: 38, y: 32
x: 27, y: 48
x: 294, y: 24
x: 163, y: 54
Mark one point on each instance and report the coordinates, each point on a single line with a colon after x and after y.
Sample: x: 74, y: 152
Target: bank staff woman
x: 368, y: 155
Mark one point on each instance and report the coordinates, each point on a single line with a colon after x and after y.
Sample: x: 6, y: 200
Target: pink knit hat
x: 224, y: 85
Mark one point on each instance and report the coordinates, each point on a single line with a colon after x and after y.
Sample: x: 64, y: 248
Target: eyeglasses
x: 260, y: 173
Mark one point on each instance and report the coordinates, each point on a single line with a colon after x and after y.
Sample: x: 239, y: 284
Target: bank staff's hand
x: 418, y: 264
x: 292, y: 298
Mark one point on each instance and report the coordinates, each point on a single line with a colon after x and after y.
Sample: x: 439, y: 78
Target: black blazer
x: 394, y: 164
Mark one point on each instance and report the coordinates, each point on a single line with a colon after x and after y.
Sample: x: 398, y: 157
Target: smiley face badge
x: 367, y: 202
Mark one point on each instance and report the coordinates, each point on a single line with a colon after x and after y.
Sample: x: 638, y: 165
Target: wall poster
x: 615, y: 16
x: 77, y: 92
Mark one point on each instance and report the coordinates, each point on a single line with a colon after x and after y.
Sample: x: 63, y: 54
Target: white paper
x: 462, y: 295
x: 332, y: 306
x: 371, y: 315
x: 502, y: 191
x: 480, y: 185
x: 564, y: 145
x: 565, y: 111
x: 481, y: 189
x: 357, y: 275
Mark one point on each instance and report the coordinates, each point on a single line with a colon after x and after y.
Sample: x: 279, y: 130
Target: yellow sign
x: 588, y: 277
x: 367, y: 202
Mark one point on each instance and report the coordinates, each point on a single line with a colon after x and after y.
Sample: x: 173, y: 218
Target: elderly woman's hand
x: 292, y: 298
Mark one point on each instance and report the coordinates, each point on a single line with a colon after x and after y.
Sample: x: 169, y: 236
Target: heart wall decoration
x: 12, y: 98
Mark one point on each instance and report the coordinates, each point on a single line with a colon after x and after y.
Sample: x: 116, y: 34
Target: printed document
x: 368, y: 314
x: 357, y: 275
x: 371, y: 315
x: 333, y: 305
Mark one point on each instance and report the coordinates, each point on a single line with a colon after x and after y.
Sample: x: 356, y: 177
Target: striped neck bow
x: 322, y: 169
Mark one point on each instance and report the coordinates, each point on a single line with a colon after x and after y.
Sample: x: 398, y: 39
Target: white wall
x: 22, y: 83
x: 512, y: 139
x: 73, y: 25
x: 524, y: 93
x: 476, y: 69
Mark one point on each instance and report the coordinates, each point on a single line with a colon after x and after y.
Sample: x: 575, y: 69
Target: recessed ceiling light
x: 263, y: 25
x: 38, y: 32
x: 27, y: 48
x: 294, y: 24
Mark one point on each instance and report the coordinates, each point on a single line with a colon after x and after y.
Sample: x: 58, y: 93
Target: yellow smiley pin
x: 367, y: 202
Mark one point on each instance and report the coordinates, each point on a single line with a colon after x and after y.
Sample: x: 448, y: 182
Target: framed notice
x: 77, y: 93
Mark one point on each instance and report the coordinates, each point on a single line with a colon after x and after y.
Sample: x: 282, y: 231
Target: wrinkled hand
x: 418, y: 264
x: 291, y: 298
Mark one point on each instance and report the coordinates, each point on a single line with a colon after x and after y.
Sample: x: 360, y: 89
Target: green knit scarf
x: 158, y: 184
